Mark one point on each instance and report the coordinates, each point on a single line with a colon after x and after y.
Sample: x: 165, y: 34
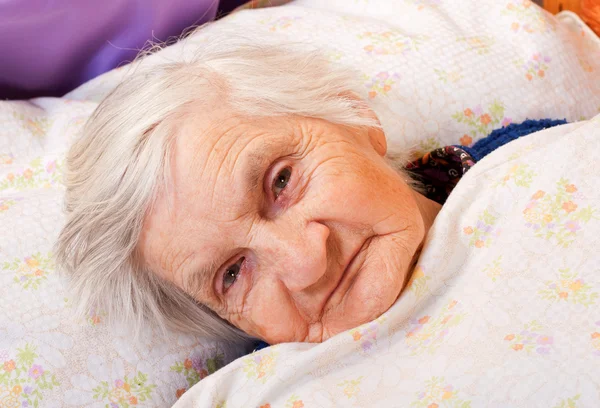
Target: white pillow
x: 436, y: 72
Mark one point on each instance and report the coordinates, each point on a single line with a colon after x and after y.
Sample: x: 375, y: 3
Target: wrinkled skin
x: 290, y: 228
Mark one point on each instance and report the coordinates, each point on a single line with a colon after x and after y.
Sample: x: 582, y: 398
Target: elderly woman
x: 249, y: 192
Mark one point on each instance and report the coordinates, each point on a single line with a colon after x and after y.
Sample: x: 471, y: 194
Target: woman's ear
x: 377, y: 139
x: 375, y: 134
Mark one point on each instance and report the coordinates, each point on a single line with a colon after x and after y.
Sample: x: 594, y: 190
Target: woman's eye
x: 231, y: 274
x: 281, y: 181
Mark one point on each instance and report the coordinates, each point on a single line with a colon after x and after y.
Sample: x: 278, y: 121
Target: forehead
x: 214, y: 154
x: 211, y: 155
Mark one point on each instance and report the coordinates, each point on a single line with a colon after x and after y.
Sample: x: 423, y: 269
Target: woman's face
x: 292, y: 229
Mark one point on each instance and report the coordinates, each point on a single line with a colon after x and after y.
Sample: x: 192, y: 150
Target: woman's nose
x: 299, y: 254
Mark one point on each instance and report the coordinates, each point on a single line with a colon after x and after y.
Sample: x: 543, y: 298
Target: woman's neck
x: 429, y: 210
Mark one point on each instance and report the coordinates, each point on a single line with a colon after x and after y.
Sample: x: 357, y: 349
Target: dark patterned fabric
x: 440, y: 170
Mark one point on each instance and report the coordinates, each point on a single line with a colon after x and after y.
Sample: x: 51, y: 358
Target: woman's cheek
x: 347, y: 186
x: 270, y: 314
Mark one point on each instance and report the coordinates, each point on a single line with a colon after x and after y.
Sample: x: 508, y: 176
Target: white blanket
x: 502, y: 309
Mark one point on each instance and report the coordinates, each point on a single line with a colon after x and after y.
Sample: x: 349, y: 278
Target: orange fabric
x: 590, y: 13
x: 253, y: 4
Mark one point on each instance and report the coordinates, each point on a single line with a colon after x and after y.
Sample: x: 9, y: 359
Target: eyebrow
x: 258, y: 165
x: 255, y: 171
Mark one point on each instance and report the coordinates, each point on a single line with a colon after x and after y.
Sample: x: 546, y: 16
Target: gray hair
x: 116, y: 168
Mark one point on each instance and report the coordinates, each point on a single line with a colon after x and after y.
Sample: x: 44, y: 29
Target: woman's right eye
x: 231, y: 274
x: 281, y: 181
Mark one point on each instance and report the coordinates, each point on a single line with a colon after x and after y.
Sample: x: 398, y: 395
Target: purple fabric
x: 48, y: 47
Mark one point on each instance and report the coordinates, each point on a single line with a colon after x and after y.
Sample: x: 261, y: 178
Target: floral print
x: 528, y: 17
x: 526, y: 149
x: 367, y: 334
x: 94, y: 317
x: 110, y: 385
x: 427, y: 333
x: 447, y: 77
x: 568, y: 402
x: 482, y: 234
x: 6, y: 158
x: 493, y: 270
x: 5, y: 204
x: 37, y: 174
x: 37, y: 126
x: 351, y: 387
x: 480, y: 121
x: 535, y: 67
x: 294, y: 402
x: 585, y: 65
x: 280, y: 23
x: 124, y: 393
x: 30, y: 272
x: 23, y: 378
x: 389, y: 43
x: 381, y: 83
x: 557, y: 217
x: 481, y: 44
x: 530, y: 339
x: 197, y: 367
x: 519, y: 174
x: 438, y: 393
x: 595, y: 338
x: 418, y: 282
x: 568, y: 287
x: 260, y: 365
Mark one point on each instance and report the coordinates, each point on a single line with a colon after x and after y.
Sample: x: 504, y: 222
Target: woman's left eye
x: 281, y: 181
x: 231, y: 274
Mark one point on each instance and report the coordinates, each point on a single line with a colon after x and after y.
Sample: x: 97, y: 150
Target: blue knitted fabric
x: 259, y: 345
x: 502, y: 136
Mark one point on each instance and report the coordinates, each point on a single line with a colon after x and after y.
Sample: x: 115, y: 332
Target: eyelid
x: 246, y: 267
x: 273, y: 172
x: 218, y: 279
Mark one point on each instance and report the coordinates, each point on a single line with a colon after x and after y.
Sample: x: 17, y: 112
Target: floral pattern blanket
x: 502, y: 310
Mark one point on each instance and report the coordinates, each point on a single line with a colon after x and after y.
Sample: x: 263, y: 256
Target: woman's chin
x: 365, y: 301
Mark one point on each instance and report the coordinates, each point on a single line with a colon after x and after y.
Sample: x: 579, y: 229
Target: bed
x: 437, y: 73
